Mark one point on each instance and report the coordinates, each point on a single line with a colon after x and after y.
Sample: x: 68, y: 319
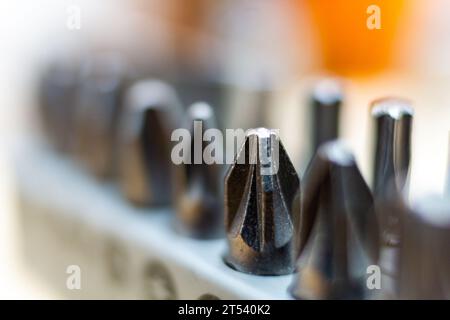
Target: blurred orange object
x: 349, y: 41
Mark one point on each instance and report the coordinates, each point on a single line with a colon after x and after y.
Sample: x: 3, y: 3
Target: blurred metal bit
x: 104, y: 81
x: 424, y: 261
x: 199, y: 203
x: 259, y: 189
x: 393, y: 118
x: 393, y: 145
x: 392, y: 155
x: 58, y: 89
x: 337, y: 230
x: 326, y: 104
x: 152, y: 112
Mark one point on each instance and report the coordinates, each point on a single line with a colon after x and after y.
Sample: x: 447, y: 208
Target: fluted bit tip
x: 258, y: 206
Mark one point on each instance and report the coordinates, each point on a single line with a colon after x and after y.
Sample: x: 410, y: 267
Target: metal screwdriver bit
x: 57, y: 94
x: 393, y: 145
x: 424, y: 259
x: 199, y: 203
x: 152, y: 112
x: 259, y: 189
x: 105, y: 78
x: 392, y: 156
x: 337, y: 229
x: 326, y: 104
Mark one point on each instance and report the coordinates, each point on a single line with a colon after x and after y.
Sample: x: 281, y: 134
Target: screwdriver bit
x: 337, y: 230
x: 58, y: 90
x: 259, y: 189
x: 393, y: 145
x: 393, y: 118
x: 326, y: 103
x: 199, y: 205
x: 104, y: 80
x: 152, y: 112
x: 424, y: 259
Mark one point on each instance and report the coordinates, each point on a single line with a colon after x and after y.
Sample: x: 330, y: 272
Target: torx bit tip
x: 258, y: 202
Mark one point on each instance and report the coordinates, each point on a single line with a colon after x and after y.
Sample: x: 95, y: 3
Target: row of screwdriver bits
x: 328, y: 229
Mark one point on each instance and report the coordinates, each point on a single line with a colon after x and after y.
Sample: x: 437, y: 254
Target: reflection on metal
x: 199, y: 204
x: 337, y: 228
x: 258, y: 200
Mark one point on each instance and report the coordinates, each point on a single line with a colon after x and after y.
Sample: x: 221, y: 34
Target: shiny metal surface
x: 337, y: 232
x: 259, y: 189
x: 198, y: 187
x: 152, y: 112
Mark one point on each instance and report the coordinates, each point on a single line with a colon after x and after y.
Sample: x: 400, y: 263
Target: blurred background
x: 254, y: 61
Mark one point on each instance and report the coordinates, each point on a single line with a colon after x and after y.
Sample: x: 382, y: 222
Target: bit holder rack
x: 122, y: 251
